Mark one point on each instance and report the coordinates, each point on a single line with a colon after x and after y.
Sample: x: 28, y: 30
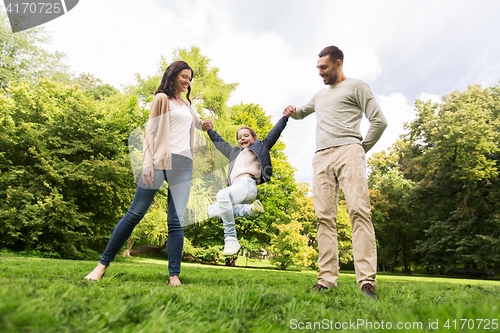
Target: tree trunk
x: 406, y: 259
x: 395, y: 261
x: 128, y: 246
x: 231, y: 261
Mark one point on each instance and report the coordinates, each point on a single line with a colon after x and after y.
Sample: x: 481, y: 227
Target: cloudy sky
x: 405, y: 50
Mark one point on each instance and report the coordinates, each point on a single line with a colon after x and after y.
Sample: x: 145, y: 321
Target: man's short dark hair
x: 334, y: 52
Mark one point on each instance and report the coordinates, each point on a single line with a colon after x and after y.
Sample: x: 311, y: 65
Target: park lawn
x: 47, y: 295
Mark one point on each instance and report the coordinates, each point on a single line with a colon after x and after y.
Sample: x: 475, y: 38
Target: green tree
x: 95, y: 87
x: 397, y: 230
x: 344, y: 235
x: 64, y: 171
x: 289, y: 246
x: 452, y: 155
x: 302, y: 210
x: 22, y: 56
x: 87, y: 81
x: 209, y: 91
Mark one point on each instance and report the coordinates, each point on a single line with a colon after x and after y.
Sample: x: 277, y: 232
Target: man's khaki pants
x: 343, y: 166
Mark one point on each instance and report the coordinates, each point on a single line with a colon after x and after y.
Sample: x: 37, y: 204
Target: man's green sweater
x: 339, y: 109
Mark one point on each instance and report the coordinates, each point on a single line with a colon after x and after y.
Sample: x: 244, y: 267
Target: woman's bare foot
x: 174, y: 281
x: 97, y: 273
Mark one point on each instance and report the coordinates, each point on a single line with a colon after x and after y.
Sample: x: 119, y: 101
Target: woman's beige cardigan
x: 156, y: 145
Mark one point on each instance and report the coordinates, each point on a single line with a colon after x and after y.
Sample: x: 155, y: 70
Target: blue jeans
x: 179, y: 186
x: 233, y: 202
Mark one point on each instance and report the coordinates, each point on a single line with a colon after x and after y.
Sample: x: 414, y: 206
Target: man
x: 340, y: 161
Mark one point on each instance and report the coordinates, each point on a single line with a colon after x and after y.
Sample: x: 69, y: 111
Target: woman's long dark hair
x: 167, y: 82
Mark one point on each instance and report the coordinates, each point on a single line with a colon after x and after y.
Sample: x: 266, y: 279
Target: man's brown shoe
x: 319, y: 287
x: 369, y: 291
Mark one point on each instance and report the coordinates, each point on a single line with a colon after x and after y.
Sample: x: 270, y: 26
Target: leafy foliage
x: 64, y: 177
x: 290, y: 247
x: 396, y: 231
x: 442, y: 183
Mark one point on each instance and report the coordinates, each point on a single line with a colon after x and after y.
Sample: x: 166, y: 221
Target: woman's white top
x: 180, y: 126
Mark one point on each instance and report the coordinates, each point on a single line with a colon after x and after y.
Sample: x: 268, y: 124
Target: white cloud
x: 267, y: 72
x: 424, y: 97
x: 115, y: 39
x: 362, y: 63
x: 397, y: 111
x: 300, y: 139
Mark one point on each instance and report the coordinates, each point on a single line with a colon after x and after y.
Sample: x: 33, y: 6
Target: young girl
x: 249, y: 165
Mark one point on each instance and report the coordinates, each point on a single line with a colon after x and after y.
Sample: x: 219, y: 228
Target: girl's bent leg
x: 242, y: 210
x: 242, y: 191
x: 246, y: 210
x: 213, y: 211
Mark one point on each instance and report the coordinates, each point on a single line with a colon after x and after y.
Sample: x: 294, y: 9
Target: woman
x: 167, y: 155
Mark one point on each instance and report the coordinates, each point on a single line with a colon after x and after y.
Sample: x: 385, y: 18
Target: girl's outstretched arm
x: 275, y: 132
x: 221, y: 144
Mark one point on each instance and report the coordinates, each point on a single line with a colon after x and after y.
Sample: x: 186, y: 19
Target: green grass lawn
x: 45, y: 295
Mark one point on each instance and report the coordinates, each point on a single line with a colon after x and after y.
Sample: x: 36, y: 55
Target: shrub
x: 64, y: 173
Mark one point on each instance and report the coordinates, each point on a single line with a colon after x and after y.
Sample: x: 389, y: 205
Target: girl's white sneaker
x: 232, y: 246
